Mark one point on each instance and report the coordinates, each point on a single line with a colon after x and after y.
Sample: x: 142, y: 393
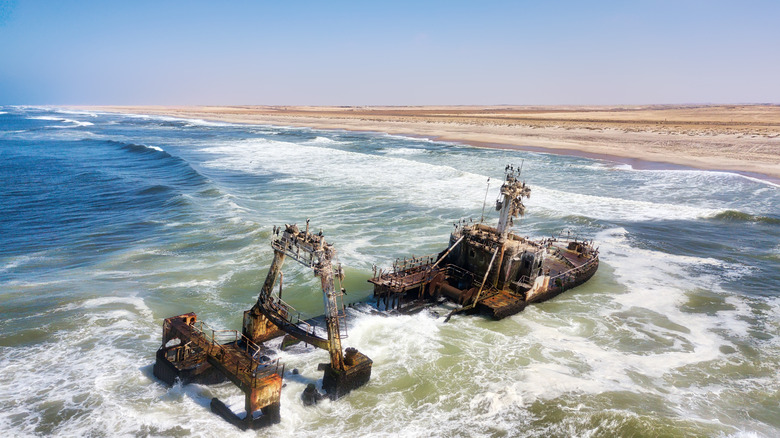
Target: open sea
x: 110, y: 223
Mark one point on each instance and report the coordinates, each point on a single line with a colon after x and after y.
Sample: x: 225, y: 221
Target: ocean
x: 110, y: 223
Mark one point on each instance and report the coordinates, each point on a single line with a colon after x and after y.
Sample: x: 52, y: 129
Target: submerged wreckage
x: 193, y: 352
x: 485, y: 269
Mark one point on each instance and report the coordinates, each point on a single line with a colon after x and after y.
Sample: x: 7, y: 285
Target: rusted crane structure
x: 271, y: 314
x: 193, y: 352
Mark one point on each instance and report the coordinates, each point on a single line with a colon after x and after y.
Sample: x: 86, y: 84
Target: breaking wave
x: 739, y: 216
x: 61, y: 119
x: 141, y: 148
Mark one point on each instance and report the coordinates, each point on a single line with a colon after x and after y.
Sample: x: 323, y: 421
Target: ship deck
x: 502, y: 303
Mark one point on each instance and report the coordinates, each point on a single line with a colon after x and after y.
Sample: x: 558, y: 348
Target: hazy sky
x: 389, y: 52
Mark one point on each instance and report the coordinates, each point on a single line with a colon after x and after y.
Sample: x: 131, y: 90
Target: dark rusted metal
x: 193, y: 352
x: 312, y: 251
x: 188, y: 353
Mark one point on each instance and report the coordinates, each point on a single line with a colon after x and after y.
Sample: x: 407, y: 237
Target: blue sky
x: 389, y: 53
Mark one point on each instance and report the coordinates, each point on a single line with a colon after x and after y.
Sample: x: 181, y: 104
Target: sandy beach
x: 739, y: 138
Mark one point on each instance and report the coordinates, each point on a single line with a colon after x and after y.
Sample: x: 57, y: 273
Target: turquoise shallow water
x: 110, y: 223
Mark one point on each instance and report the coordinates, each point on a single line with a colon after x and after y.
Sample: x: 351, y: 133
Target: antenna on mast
x: 510, y: 199
x: 482, y: 219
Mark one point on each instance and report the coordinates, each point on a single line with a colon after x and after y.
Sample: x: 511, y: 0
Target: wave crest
x: 140, y: 148
x: 740, y: 216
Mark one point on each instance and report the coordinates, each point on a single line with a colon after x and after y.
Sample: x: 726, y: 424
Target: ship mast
x: 510, y: 200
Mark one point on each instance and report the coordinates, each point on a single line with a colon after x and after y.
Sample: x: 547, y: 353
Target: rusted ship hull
x: 565, y: 285
x: 512, y: 305
x: 514, y: 287
x: 489, y: 269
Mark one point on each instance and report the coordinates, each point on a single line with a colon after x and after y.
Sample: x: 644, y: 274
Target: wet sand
x: 737, y: 138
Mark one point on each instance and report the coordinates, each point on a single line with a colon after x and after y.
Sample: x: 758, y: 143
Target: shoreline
x: 744, y: 140
x: 635, y: 163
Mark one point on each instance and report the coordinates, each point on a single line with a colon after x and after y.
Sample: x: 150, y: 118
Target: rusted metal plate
x: 199, y: 345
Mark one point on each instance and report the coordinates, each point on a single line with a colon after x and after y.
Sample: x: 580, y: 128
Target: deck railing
x: 582, y: 268
x: 252, y: 367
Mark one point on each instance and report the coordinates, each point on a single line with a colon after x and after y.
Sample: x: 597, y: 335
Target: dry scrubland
x: 743, y: 138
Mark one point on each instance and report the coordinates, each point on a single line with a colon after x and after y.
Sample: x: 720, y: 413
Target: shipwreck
x: 484, y: 269
x: 489, y: 270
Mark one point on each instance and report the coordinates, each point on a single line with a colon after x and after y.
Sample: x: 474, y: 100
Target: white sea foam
x: 23, y: 261
x: 409, y: 181
x: 78, y: 123
x: 323, y: 141
x: 757, y: 180
x: 414, y: 138
x: 110, y: 302
x: 151, y: 147
x: 93, y: 368
x: 679, y: 174
x: 718, y: 175
x: 194, y: 284
x: 61, y: 119
x: 15, y: 262
x: 200, y: 122
x: 426, y: 373
x: 59, y: 134
x: 186, y: 122
x: 612, y: 208
x: 136, y: 116
x: 402, y: 151
x: 658, y: 282
x: 605, y: 165
x: 745, y: 434
x: 78, y: 113
x: 420, y: 182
